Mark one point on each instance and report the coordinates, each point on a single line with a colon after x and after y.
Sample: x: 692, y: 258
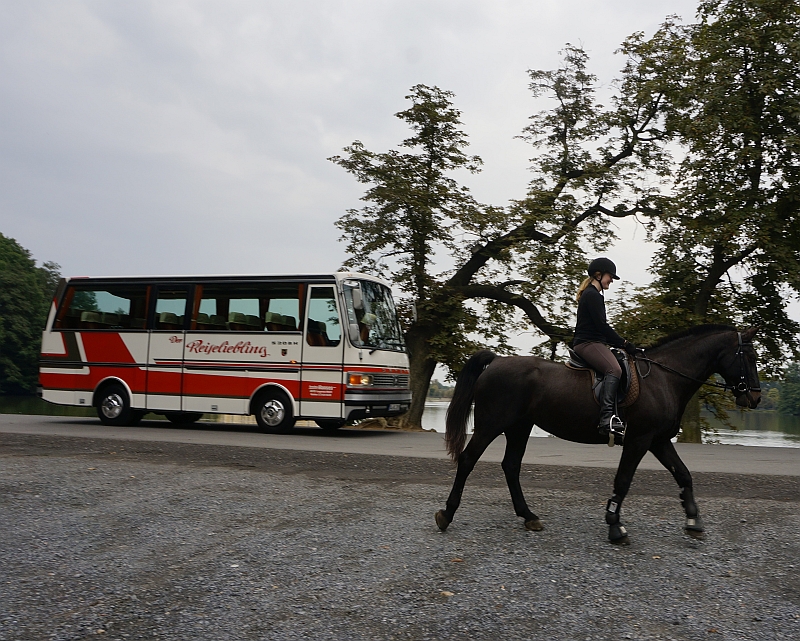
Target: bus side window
x: 323, y: 328
x: 211, y: 310
x: 280, y: 307
x: 170, y: 309
x: 248, y: 307
x: 115, y: 307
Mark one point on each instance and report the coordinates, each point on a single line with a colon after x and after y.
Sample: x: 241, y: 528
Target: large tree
x: 527, y: 255
x: 731, y: 235
x: 414, y: 207
x: 25, y: 294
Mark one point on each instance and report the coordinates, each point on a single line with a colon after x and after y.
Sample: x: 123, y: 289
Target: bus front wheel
x: 114, y: 407
x: 273, y: 411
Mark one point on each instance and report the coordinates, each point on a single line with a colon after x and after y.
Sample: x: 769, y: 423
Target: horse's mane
x: 699, y: 330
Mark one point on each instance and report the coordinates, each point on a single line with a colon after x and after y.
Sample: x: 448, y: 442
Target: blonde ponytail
x: 586, y: 282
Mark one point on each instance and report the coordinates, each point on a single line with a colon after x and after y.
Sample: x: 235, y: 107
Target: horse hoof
x: 534, y: 525
x: 618, y: 535
x: 695, y: 534
x: 441, y: 520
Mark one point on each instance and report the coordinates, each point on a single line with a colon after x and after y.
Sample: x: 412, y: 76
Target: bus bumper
x: 372, y: 403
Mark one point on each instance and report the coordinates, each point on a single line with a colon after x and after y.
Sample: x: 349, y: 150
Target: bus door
x: 321, y: 389
x: 169, y: 312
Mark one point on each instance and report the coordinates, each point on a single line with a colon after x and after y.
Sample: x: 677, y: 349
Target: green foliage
x: 790, y: 390
x: 25, y: 294
x: 593, y: 164
x: 731, y: 232
x: 527, y: 255
x: 414, y: 204
x: 770, y: 397
x: 437, y: 390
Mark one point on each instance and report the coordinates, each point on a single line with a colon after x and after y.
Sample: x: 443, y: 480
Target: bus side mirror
x: 358, y: 301
x: 355, y: 337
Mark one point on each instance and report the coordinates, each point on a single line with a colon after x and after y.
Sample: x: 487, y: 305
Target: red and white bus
x: 325, y: 348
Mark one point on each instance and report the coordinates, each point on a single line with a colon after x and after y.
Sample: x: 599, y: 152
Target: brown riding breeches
x: 599, y: 356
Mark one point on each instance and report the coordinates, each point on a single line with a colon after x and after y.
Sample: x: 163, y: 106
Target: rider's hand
x: 630, y: 348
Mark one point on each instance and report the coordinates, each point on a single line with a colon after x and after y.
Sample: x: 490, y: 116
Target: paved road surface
x: 153, y: 533
x: 736, y: 459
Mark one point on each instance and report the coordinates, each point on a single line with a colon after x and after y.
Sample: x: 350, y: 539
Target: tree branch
x: 500, y: 294
x: 715, y: 273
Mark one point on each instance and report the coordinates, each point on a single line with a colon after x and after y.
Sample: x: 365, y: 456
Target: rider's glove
x: 630, y: 348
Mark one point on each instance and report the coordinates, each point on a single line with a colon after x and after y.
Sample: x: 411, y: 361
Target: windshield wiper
x: 386, y: 345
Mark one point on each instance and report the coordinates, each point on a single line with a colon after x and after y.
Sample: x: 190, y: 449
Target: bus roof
x: 317, y: 278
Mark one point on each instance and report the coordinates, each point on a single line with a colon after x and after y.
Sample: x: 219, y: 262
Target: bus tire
x: 330, y: 424
x: 114, y: 406
x: 273, y: 411
x: 183, y: 418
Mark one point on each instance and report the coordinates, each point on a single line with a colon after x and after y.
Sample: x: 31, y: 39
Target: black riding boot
x: 610, y: 424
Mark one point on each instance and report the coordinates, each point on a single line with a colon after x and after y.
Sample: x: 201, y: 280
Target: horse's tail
x: 458, y: 412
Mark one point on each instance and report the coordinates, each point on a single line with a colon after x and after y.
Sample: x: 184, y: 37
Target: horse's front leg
x: 665, y: 452
x: 632, y: 453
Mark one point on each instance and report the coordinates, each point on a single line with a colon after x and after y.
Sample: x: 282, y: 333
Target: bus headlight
x: 359, y: 380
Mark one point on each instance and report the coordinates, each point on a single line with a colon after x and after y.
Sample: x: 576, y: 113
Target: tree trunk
x: 422, y: 367
x: 691, y: 428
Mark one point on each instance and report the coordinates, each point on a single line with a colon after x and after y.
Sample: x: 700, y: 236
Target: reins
x: 742, y: 387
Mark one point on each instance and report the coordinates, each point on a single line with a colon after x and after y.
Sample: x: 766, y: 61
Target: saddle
x: 628, y: 390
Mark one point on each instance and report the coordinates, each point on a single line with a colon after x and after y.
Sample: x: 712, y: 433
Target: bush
x: 25, y: 294
x: 790, y: 390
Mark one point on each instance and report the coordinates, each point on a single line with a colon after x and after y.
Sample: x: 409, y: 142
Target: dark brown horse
x: 512, y: 394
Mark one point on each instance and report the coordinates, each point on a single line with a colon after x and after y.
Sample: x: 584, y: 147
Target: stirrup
x: 615, y: 430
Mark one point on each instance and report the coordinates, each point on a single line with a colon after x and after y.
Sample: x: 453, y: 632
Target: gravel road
x: 131, y: 540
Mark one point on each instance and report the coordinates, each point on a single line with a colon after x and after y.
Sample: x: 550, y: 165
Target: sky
x: 191, y: 137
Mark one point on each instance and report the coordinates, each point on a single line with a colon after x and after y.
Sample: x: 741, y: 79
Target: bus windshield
x: 372, y: 316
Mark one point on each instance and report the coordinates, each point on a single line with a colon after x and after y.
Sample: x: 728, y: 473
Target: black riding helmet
x: 604, y: 266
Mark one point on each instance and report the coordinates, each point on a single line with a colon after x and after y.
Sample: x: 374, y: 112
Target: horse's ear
x: 748, y: 334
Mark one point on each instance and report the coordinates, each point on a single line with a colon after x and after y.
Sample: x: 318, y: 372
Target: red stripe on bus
x: 376, y: 370
x: 132, y: 376
x: 243, y: 386
x: 164, y: 382
x: 105, y: 347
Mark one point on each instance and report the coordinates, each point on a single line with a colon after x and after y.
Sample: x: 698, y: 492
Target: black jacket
x: 592, y: 326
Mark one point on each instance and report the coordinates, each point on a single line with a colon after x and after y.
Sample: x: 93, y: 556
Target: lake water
x: 762, y: 429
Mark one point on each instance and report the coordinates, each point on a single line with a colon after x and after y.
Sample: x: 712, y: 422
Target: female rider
x: 593, y: 335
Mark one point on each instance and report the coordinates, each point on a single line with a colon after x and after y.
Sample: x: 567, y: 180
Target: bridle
x: 742, y: 387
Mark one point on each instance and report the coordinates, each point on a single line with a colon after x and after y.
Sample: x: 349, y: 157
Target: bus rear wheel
x: 114, y: 407
x: 273, y: 411
x: 183, y: 418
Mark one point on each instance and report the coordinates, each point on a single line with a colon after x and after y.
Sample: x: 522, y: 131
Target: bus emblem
x: 284, y: 352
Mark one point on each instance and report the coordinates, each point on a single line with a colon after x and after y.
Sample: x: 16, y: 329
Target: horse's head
x: 737, y: 365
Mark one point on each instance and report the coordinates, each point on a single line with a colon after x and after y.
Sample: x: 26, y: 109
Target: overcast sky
x: 192, y: 137
x: 153, y: 137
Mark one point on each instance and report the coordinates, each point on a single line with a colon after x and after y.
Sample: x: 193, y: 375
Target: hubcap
x: 273, y: 412
x: 112, y: 406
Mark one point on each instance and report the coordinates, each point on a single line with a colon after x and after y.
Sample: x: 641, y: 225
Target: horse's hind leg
x: 665, y: 452
x: 516, y: 442
x: 466, y: 463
